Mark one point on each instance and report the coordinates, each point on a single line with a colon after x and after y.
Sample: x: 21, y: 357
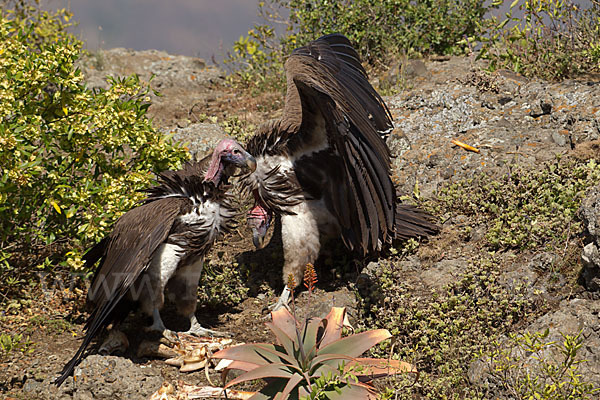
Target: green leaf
x: 334, y: 323
x: 291, y: 385
x: 309, y: 337
x: 356, y: 344
x: 250, y: 353
x: 316, y: 362
x: 285, y: 341
x: 265, y: 371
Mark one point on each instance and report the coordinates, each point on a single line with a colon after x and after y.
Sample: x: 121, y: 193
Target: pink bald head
x: 230, y: 152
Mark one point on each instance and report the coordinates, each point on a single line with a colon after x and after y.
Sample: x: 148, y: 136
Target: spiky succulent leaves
x: 310, y: 338
x: 371, y: 367
x: 303, y: 355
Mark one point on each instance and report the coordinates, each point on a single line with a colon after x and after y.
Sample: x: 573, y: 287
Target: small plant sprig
x: 310, y: 280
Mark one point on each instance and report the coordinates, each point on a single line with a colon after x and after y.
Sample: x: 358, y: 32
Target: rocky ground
x: 509, y: 119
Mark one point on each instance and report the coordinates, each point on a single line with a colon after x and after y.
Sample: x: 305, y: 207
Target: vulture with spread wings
x: 162, y: 242
x: 324, y: 166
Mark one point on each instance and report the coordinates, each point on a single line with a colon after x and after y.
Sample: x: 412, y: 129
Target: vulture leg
x: 159, y: 326
x: 283, y: 300
x: 151, y: 294
x: 185, y: 285
x: 301, y: 245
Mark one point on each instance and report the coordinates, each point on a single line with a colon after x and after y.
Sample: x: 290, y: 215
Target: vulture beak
x: 258, y: 238
x: 250, y: 162
x: 240, y: 158
x: 259, y: 220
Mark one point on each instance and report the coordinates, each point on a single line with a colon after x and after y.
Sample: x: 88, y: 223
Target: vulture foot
x: 197, y: 330
x: 159, y: 326
x: 283, y: 300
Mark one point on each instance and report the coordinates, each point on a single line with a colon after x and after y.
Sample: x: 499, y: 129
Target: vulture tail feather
x: 412, y: 222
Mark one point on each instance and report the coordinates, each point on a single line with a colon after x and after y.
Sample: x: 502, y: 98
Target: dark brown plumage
x: 325, y: 166
x: 162, y: 242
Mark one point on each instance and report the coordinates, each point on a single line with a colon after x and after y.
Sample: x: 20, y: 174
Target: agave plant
x: 295, y: 365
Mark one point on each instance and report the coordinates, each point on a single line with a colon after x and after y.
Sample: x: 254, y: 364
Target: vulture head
x: 259, y: 220
x: 227, y: 156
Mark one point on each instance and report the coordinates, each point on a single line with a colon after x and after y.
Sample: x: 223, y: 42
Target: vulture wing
x: 338, y: 149
x: 123, y: 256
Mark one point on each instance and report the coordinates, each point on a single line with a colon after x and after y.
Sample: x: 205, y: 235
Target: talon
x: 199, y: 331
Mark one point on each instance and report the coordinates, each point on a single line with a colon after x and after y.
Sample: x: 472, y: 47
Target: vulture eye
x: 236, y: 151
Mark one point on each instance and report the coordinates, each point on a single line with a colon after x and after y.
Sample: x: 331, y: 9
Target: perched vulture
x: 324, y: 166
x: 162, y: 242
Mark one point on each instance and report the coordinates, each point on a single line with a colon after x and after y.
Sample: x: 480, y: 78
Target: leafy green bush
x: 552, y: 371
x: 444, y: 334
x: 554, y: 39
x: 528, y: 208
x: 14, y: 342
x: 71, y: 159
x: 223, y: 283
x: 380, y: 30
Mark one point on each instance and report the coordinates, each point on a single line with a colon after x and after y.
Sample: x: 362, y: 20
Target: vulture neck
x: 215, y: 169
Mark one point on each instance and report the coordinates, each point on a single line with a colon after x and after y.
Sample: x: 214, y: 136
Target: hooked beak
x: 250, y: 162
x: 259, y: 238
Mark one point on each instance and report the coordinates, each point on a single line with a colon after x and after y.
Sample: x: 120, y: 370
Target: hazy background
x: 203, y: 28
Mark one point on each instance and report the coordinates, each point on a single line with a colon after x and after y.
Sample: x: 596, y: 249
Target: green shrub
x: 71, y: 159
x: 552, y: 371
x: 14, y: 342
x: 380, y: 30
x: 223, y: 283
x: 527, y: 208
x: 443, y: 331
x: 554, y: 39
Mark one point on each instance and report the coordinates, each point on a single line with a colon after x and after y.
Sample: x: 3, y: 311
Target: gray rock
x: 559, y: 138
x: 322, y: 302
x: 591, y: 267
x: 590, y: 256
x: 185, y: 83
x: 403, y: 71
x: 101, y: 377
x: 200, y: 139
x: 444, y: 272
x: 590, y: 212
x: 167, y: 70
x: 439, y: 108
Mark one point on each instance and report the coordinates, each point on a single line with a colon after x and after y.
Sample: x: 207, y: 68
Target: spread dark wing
x: 338, y: 150
x: 123, y: 256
